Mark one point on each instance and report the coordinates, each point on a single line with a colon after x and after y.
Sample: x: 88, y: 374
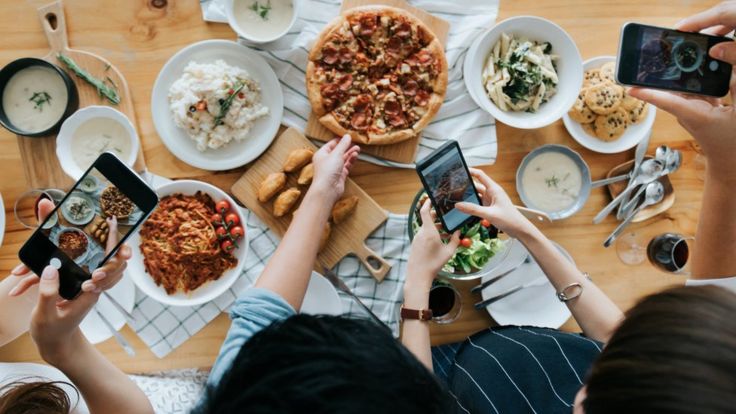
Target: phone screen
x: 447, y: 181
x: 670, y: 59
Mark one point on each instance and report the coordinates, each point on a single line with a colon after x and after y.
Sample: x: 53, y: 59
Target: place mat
x: 163, y: 328
x: 459, y: 118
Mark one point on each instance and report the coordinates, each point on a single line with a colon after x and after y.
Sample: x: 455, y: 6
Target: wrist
x: 416, y: 291
x: 64, y: 353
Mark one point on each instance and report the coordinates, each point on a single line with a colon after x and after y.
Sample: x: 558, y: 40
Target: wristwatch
x: 418, y: 314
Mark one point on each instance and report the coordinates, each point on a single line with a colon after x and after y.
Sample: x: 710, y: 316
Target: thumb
x: 48, y: 290
x: 725, y: 51
x: 45, y: 207
x: 454, y: 241
x: 344, y: 144
x: 470, y: 208
x: 675, y: 104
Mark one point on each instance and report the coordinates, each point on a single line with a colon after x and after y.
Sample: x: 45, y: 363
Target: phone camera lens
x: 713, y: 65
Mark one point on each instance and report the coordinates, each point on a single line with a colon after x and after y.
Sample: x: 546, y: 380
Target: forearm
x: 103, y: 386
x: 289, y: 269
x: 715, y: 239
x: 596, y: 314
x: 17, y: 310
x: 414, y: 333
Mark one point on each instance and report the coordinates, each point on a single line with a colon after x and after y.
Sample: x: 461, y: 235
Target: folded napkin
x: 459, y: 117
x: 163, y: 328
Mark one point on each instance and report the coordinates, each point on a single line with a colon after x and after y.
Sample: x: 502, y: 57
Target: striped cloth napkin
x: 163, y: 328
x: 459, y: 118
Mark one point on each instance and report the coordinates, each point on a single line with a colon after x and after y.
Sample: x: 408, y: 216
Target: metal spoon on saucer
x: 653, y: 194
x: 662, y: 153
x: 649, y: 171
x: 674, y: 160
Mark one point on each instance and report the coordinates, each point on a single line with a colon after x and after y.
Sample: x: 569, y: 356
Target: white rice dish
x: 200, y: 98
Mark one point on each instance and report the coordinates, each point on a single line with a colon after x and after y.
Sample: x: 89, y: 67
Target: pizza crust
x: 391, y: 137
x: 313, y: 90
x: 330, y: 122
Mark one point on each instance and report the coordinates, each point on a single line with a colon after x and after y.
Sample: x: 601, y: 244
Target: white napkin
x: 459, y: 117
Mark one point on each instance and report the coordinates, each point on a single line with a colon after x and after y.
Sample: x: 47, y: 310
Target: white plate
x: 93, y: 328
x: 535, y: 306
x: 569, y: 70
x: 321, y: 297
x: 234, y: 154
x: 209, y: 290
x: 633, y: 134
x: 2, y: 220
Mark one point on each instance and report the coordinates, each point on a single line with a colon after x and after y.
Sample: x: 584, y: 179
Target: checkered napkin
x: 459, y: 117
x: 163, y: 328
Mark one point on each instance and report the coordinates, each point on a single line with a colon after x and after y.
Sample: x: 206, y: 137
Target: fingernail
x: 97, y: 290
x: 17, y: 269
x: 49, y: 273
x: 718, y: 52
x: 88, y: 286
x: 99, y: 275
x: 14, y: 291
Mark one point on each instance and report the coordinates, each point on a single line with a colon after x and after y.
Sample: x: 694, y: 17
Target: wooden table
x: 139, y: 37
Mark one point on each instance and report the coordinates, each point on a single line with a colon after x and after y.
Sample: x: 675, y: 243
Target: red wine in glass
x: 669, y: 252
x: 445, y: 302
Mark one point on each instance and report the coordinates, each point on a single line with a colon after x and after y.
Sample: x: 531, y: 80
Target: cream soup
x: 263, y: 19
x: 97, y: 135
x: 552, y: 182
x: 35, y: 98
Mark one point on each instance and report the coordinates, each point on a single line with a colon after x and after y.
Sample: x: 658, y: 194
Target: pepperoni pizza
x: 377, y: 73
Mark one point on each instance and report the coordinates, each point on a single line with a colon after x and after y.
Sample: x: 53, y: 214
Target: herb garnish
x: 261, y: 9
x: 552, y: 181
x: 108, y: 91
x: 40, y: 98
x: 225, y: 106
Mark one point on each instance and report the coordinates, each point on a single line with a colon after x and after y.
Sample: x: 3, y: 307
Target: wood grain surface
x: 139, y: 37
x: 42, y: 168
x: 345, y: 238
x: 405, y: 151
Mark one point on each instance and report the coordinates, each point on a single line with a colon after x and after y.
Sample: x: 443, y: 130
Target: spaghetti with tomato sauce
x: 180, y: 248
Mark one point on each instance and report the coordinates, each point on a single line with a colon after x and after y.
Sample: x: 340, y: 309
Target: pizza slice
x: 354, y: 116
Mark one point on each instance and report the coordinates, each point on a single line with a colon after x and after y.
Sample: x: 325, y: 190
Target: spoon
x: 661, y: 154
x: 654, y: 194
x: 649, y: 171
x: 674, y: 160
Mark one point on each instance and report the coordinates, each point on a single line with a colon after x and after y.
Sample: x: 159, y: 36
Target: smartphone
x: 446, y: 179
x: 655, y: 57
x: 73, y: 237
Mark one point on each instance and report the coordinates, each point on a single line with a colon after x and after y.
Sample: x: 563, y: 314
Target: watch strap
x: 418, y: 314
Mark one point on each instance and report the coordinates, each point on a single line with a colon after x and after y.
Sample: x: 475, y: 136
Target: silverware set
x: 643, y: 183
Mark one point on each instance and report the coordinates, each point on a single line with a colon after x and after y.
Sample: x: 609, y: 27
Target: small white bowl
x: 66, y: 133
x: 633, y: 134
x: 230, y: 12
x: 569, y: 70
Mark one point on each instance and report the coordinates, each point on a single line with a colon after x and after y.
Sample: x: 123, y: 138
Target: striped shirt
x: 516, y: 370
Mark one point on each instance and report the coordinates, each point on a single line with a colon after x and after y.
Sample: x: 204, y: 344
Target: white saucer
x: 321, y: 297
x: 533, y: 306
x: 93, y: 328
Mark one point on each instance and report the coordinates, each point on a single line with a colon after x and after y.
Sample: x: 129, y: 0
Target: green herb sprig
x: 261, y: 9
x: 552, y: 181
x: 40, y: 98
x: 108, y: 91
x: 225, y: 105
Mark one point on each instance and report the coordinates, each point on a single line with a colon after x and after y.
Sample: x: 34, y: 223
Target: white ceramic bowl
x: 569, y: 70
x: 234, y: 154
x: 210, y: 290
x: 66, y: 133
x: 242, y: 32
x: 633, y: 134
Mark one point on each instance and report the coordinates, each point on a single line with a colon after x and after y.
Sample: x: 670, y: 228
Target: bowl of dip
x: 92, y: 131
x: 36, y: 97
x: 261, y: 21
x: 554, y: 179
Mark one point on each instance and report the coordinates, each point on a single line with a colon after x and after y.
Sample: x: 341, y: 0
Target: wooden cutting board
x: 346, y: 237
x: 406, y: 151
x: 41, y: 167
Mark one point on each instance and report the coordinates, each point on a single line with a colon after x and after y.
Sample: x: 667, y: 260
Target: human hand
x: 332, y: 164
x: 496, y: 207
x: 103, y: 278
x: 428, y: 252
x: 708, y: 120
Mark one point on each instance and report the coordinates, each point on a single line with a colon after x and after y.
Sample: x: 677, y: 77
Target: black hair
x: 326, y: 364
x: 674, y: 353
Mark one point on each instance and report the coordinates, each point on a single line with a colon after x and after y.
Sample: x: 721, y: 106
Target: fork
x: 495, y: 279
x: 118, y: 337
x: 536, y: 282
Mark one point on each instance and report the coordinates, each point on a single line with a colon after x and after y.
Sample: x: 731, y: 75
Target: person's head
x: 35, y: 397
x: 675, y: 352
x: 326, y: 364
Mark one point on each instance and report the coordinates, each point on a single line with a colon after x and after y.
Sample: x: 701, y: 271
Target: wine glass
x: 445, y: 302
x: 670, y: 252
x: 630, y: 248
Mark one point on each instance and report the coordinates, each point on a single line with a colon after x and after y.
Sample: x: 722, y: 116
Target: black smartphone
x: 73, y: 237
x: 656, y: 57
x: 446, y: 179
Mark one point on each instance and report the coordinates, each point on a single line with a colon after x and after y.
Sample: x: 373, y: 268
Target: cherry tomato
x: 227, y: 246
x: 241, y: 95
x: 236, y: 232
x: 230, y: 91
x: 222, y: 206
x: 466, y: 242
x: 232, y: 219
x: 221, y: 232
x: 485, y: 223
x: 216, y: 219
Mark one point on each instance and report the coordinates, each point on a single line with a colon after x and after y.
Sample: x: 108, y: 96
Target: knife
x: 542, y: 280
x: 641, y: 151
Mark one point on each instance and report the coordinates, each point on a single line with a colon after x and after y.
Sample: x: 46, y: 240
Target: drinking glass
x: 26, y: 207
x: 630, y: 248
x: 445, y: 302
x: 670, y: 252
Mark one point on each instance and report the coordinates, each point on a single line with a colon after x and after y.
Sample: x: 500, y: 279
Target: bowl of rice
x: 217, y: 105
